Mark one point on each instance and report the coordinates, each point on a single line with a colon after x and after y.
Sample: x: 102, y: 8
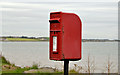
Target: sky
x: 31, y: 18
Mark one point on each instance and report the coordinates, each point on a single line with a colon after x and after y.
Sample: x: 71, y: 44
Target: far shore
x: 24, y: 41
x: 46, y: 39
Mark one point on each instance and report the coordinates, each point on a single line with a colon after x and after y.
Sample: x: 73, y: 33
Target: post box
x: 65, y: 36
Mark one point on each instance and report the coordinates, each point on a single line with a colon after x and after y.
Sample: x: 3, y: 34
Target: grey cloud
x: 99, y: 19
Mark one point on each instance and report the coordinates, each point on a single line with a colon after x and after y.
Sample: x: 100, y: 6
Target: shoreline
x: 41, y: 39
x: 48, y: 41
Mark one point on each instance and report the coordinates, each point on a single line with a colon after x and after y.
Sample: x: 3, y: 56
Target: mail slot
x: 65, y: 36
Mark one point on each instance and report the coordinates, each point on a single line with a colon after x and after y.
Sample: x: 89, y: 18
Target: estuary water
x: 28, y: 53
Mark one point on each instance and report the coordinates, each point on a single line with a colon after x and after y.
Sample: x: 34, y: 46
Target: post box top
x: 55, y: 12
x: 66, y: 13
x: 62, y: 13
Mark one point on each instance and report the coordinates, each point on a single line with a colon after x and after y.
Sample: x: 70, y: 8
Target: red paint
x: 68, y: 29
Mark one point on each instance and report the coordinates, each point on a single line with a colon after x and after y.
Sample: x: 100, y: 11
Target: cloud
x: 31, y: 18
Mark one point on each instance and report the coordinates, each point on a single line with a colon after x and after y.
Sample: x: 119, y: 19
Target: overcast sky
x: 99, y: 19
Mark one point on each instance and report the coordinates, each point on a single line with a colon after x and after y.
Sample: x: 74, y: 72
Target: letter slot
x: 55, y: 20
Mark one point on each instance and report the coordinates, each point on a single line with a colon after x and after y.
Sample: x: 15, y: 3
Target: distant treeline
x: 24, y: 37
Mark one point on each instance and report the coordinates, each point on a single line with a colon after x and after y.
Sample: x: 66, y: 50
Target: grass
x: 34, y: 66
x: 11, y: 68
x: 4, y: 61
x: 22, y: 39
x: 18, y: 70
x: 73, y: 71
x: 0, y: 65
x: 7, y: 69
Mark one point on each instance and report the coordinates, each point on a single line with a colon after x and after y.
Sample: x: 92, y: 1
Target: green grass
x: 18, y: 70
x: 0, y: 66
x: 73, y: 71
x: 21, y: 39
x: 34, y: 66
x: 4, y: 61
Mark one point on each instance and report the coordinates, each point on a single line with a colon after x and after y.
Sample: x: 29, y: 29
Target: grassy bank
x: 8, y: 67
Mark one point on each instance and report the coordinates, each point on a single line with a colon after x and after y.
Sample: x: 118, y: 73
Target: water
x: 26, y: 53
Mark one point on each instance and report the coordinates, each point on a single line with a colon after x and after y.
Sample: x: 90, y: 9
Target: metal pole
x: 66, y: 66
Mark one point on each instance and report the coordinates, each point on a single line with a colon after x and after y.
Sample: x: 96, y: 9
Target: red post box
x: 65, y: 36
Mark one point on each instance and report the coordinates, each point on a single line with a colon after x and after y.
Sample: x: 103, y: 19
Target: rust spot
x: 63, y: 57
x: 63, y: 29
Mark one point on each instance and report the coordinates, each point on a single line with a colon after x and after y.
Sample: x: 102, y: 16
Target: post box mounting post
x: 66, y: 67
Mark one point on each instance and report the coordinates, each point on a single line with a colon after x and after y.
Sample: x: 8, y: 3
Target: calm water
x: 26, y: 53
